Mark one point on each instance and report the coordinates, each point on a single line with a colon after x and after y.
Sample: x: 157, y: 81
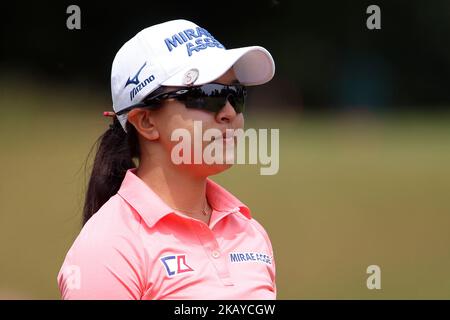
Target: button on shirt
x: 137, y: 247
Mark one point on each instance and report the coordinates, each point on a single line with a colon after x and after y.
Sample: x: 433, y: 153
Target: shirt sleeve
x: 272, y: 267
x: 102, y: 264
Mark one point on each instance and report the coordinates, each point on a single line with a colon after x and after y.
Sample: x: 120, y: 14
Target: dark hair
x: 116, y: 150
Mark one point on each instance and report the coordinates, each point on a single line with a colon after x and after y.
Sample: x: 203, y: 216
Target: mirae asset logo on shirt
x: 250, y: 256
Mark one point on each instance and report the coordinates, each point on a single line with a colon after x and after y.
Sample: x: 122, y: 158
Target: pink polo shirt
x: 136, y: 247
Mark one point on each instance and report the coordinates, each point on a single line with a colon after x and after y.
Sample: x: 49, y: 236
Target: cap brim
x: 252, y: 65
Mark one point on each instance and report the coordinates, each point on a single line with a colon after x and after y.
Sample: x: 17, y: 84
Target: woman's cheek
x: 179, y: 136
x: 240, y: 121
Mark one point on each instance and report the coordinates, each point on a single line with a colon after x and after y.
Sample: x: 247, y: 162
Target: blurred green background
x: 352, y: 191
x: 364, y: 120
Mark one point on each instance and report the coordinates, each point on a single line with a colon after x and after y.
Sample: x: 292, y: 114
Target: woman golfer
x: 156, y: 228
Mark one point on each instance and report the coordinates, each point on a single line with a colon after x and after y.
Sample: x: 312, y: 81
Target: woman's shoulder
x: 114, y: 221
x: 259, y: 227
x: 116, y: 213
x: 108, y: 248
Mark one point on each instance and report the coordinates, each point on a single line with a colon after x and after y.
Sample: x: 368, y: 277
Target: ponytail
x: 116, y: 150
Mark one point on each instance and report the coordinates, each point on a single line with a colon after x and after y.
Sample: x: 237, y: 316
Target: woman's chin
x: 217, y: 168
x: 205, y: 170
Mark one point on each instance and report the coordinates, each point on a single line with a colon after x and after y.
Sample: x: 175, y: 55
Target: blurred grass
x: 350, y: 192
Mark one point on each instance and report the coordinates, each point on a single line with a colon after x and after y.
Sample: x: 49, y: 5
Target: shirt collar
x: 152, y: 208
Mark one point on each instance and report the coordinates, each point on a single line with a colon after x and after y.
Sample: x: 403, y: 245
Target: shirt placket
x: 213, y: 251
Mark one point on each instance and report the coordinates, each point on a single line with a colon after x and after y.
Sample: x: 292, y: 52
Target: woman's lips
x: 225, y: 139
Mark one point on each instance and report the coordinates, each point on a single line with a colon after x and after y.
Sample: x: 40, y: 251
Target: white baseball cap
x: 180, y: 53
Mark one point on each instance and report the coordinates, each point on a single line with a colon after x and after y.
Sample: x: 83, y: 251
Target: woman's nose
x: 226, y: 114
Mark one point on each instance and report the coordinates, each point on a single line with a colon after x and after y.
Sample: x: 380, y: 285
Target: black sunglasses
x: 210, y: 97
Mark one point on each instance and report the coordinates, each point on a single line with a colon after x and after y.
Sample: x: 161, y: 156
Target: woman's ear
x: 144, y: 122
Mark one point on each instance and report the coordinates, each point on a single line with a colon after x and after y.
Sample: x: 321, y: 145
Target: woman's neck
x: 176, y: 187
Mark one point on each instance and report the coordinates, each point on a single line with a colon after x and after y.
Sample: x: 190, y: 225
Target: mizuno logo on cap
x: 139, y: 85
x: 135, y: 79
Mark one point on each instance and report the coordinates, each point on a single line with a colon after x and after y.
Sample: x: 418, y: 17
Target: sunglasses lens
x: 213, y: 97
x: 213, y: 104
